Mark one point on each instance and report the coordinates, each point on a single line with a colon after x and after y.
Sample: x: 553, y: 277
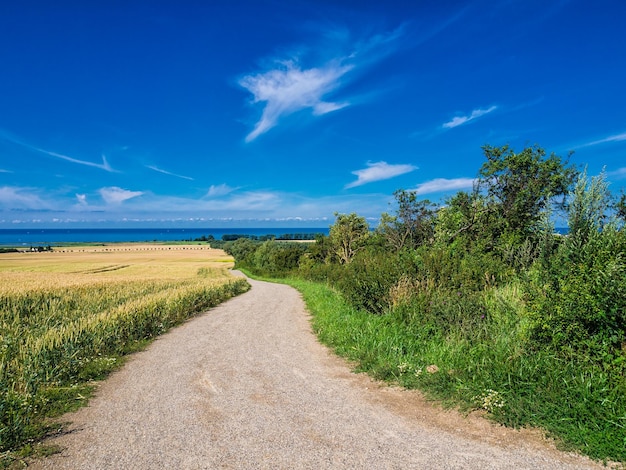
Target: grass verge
x: 577, y: 404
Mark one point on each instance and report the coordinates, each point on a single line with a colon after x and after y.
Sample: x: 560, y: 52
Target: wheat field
x: 70, y: 314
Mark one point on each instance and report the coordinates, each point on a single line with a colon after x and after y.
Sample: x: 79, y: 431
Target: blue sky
x: 281, y: 113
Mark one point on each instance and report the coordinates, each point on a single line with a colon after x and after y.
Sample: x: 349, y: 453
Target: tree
x: 242, y: 249
x: 277, y: 257
x: 347, y: 235
x: 322, y: 250
x: 413, y: 223
x: 520, y: 185
x: 620, y: 207
x: 587, y: 209
x: 464, y: 215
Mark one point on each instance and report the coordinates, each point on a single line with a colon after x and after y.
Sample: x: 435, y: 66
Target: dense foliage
x: 507, y: 315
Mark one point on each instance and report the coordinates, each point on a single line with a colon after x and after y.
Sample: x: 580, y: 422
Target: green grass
x: 578, y: 404
x: 53, y: 401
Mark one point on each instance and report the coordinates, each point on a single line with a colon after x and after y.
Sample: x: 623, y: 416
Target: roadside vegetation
x: 480, y: 302
x: 68, y: 319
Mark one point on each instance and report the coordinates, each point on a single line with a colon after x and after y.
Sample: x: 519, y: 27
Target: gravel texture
x: 247, y: 386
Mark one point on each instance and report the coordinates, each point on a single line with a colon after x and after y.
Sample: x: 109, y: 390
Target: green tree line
x: 229, y: 237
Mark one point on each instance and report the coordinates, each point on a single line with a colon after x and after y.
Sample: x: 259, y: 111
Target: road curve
x: 247, y: 386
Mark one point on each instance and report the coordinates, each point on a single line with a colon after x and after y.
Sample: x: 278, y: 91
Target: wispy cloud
x: 20, y: 198
x: 528, y: 104
x: 114, y: 195
x: 103, y: 166
x: 268, y: 205
x: 439, y: 185
x: 287, y: 86
x: 475, y: 114
x: 378, y: 171
x: 37, y: 206
x: 618, y: 174
x: 254, y: 200
x: 159, y: 170
x: 612, y: 138
x: 5, y: 171
x: 219, y: 190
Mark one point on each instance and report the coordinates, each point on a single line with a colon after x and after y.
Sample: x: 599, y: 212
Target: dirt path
x: 247, y: 386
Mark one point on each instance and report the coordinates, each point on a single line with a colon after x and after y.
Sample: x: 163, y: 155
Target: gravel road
x: 247, y: 386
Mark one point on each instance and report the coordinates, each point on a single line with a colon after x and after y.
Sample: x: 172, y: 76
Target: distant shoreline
x: 56, y: 236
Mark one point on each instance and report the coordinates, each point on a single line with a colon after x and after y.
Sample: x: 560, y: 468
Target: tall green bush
x: 579, y: 303
x: 276, y: 258
x: 366, y: 282
x: 578, y: 299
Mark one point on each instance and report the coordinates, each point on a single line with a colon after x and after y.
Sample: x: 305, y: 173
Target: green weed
x: 496, y: 371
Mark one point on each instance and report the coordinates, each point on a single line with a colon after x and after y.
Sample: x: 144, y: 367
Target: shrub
x: 367, y: 281
x: 443, y: 312
x: 453, y: 268
x: 242, y: 250
x: 579, y: 303
x: 276, y: 258
x: 578, y: 299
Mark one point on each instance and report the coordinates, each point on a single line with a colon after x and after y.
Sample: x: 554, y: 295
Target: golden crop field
x: 69, y: 314
x: 145, y: 259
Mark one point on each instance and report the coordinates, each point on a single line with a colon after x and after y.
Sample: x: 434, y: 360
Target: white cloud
x: 82, y: 199
x: 288, y: 88
x: 115, y: 195
x: 251, y: 202
x: 612, y: 138
x: 252, y: 206
x: 618, y: 174
x: 219, y: 190
x: 440, y: 185
x: 378, y: 171
x: 159, y: 170
x: 103, y: 166
x: 12, y: 197
x: 5, y: 171
x: 255, y: 201
x: 460, y: 120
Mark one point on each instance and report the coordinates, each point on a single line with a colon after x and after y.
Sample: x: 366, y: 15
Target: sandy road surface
x: 247, y: 386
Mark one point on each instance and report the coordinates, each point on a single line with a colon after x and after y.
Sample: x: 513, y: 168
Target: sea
x: 59, y: 236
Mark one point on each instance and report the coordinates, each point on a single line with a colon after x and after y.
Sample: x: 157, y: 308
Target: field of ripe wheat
x: 68, y: 316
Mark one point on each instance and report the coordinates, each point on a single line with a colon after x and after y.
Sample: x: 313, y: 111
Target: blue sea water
x: 27, y: 237
x: 57, y: 236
